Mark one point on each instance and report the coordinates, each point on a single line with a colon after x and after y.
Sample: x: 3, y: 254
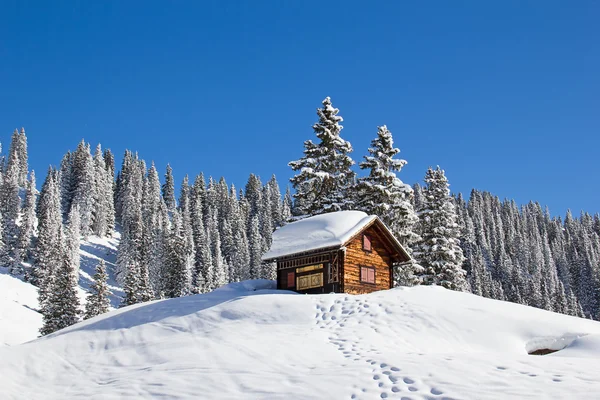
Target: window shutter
x: 291, y: 279
x: 366, y: 243
x: 371, y: 277
x: 363, y: 274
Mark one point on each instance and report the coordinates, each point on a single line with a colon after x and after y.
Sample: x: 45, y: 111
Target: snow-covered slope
x: 242, y: 343
x: 19, y: 320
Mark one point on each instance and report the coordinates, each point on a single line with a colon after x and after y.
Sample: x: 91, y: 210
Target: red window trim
x: 367, y: 271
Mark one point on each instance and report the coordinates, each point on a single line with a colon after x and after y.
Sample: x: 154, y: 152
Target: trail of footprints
x: 388, y: 381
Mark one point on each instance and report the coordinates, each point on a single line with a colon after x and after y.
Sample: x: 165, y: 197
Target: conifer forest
x: 209, y: 233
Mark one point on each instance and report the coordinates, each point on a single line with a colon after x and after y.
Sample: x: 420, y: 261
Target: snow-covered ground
x: 242, y: 343
x: 19, y: 320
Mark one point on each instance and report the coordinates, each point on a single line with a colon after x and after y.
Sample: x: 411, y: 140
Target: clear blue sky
x: 505, y: 96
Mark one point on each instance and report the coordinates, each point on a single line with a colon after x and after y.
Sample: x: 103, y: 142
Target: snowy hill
x: 19, y: 320
x: 246, y: 341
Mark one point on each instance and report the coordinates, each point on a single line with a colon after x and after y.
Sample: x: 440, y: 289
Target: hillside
x: 19, y: 320
x: 246, y: 340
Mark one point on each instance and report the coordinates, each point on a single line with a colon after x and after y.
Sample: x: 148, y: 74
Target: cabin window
x: 367, y: 275
x: 366, y: 243
x: 291, y: 279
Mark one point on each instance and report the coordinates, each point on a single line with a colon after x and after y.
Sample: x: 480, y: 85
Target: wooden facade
x: 363, y: 264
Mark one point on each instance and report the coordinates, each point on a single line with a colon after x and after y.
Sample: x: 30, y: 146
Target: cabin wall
x: 378, y: 258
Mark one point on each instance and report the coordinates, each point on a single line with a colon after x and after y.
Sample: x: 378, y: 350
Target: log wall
x: 378, y: 257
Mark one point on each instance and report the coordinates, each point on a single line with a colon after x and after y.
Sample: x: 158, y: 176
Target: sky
x: 504, y: 96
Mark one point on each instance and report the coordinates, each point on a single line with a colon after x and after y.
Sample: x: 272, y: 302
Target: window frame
x: 368, y: 268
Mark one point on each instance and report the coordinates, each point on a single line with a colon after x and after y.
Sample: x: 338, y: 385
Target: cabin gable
x: 367, y: 263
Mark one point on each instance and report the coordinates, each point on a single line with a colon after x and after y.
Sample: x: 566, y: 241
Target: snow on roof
x: 318, y: 232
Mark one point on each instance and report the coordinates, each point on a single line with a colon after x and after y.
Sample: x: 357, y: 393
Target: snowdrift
x: 248, y: 341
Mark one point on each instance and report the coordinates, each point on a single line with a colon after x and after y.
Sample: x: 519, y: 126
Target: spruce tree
x: 324, y: 180
x: 83, y: 186
x: 168, y: 189
x: 98, y: 301
x: 383, y: 194
x: 28, y: 220
x: 10, y: 204
x: 48, y: 251
x: 439, y: 251
x: 61, y: 308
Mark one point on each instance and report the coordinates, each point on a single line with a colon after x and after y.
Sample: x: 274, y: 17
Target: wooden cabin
x: 340, y: 252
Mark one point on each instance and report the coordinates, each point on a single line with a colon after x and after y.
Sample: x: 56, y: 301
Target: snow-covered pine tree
x: 383, y: 194
x: 168, y: 189
x: 129, y: 254
x: 83, y: 185
x: 202, y: 256
x: 71, y: 244
x: 18, y: 150
x: 286, y: 208
x: 28, y: 220
x: 272, y: 189
x: 325, y: 177
x: 21, y: 149
x: 439, y: 251
x: 103, y: 213
x: 61, y: 308
x: 48, y: 252
x: 219, y: 274
x: 66, y: 183
x: 178, y: 273
x: 10, y: 204
x: 240, y: 256
x: 186, y: 227
x: 255, y: 248
x: 131, y: 284
x: 98, y: 301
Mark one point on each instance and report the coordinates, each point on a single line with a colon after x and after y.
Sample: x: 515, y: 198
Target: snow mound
x: 247, y: 340
x: 318, y: 232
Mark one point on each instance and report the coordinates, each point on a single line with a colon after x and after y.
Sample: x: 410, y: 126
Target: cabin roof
x: 323, y: 231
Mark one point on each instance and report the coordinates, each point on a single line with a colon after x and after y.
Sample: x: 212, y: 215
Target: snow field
x: 247, y: 340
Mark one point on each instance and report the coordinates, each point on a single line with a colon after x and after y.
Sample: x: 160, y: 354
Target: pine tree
x: 103, y: 213
x: 255, y: 249
x: 439, y: 251
x: 325, y: 179
x: 10, y: 204
x: 48, y: 252
x: 168, y: 189
x: 66, y: 182
x: 61, y: 308
x: 28, y: 220
x: 98, y: 301
x: 381, y: 193
x: 83, y: 186
x: 178, y: 277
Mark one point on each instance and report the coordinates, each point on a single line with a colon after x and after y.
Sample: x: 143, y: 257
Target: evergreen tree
x: 168, y: 189
x: 28, y: 221
x: 325, y: 179
x: 10, y: 204
x: 66, y: 183
x: 381, y: 193
x: 439, y: 251
x: 98, y: 301
x: 49, y: 246
x: 61, y: 308
x: 103, y: 213
x: 83, y: 185
x: 178, y: 269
